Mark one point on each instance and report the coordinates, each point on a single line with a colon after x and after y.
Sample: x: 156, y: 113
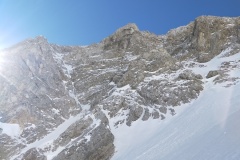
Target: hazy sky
x: 82, y: 22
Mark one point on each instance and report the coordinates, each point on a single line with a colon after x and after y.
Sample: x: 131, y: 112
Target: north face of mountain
x: 63, y: 102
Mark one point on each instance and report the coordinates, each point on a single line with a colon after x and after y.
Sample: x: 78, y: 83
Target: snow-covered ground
x: 12, y: 130
x: 207, y: 128
x: 48, y: 140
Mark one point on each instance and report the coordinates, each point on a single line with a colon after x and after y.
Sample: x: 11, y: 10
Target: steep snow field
x: 12, y: 130
x: 207, y: 128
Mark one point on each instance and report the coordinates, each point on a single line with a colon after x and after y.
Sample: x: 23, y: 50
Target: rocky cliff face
x: 56, y: 101
x: 204, y: 38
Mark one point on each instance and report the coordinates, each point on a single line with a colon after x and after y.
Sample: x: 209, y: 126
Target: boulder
x: 212, y: 73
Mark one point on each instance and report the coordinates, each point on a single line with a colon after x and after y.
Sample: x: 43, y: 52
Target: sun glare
x: 1, y: 59
x: 2, y: 65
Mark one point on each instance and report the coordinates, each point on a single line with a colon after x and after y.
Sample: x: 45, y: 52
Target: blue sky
x: 83, y: 22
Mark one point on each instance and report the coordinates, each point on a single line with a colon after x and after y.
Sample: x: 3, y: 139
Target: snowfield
x: 207, y: 128
x: 12, y: 130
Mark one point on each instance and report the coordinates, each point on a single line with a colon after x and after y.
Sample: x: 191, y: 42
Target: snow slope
x: 12, y: 130
x: 48, y: 140
x: 206, y: 128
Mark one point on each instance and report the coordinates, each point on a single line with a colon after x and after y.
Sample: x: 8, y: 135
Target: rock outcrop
x: 204, y: 38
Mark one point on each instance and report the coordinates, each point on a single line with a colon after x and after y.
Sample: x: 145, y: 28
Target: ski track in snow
x: 206, y: 128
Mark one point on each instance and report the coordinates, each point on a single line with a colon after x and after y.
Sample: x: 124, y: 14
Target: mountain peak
x: 39, y: 39
x: 120, y: 39
x: 128, y: 29
x: 132, y: 27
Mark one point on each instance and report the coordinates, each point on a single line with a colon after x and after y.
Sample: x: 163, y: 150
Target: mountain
x: 134, y: 95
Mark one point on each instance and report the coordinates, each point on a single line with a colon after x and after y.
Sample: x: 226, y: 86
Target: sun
x: 1, y: 59
x: 3, y: 44
x: 3, y: 65
x: 1, y: 48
